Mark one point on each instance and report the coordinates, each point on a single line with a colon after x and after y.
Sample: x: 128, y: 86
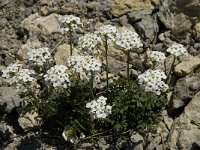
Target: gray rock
x: 9, y: 60
x: 178, y: 23
x: 147, y: 28
x: 186, y: 133
x: 154, y: 143
x: 137, y: 141
x: 158, y: 47
x: 3, y: 22
x: 9, y: 99
x: 138, y: 15
x: 197, y: 45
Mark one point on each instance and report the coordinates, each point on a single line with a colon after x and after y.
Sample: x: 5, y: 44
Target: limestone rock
x: 139, y: 14
x: 9, y: 99
x: 62, y: 52
x: 186, y: 67
x: 178, y: 23
x: 147, y: 28
x: 30, y: 120
x: 197, y: 31
x: 121, y: 7
x: 31, y: 44
x: 37, y: 24
x: 186, y: 133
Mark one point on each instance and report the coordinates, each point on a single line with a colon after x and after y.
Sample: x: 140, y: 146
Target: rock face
x: 121, y: 7
x: 188, y: 66
x: 9, y: 99
x: 185, y: 133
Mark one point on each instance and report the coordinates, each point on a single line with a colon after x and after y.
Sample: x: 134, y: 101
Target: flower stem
x: 106, y: 49
x: 70, y: 39
x: 91, y: 84
x: 172, y: 67
x: 127, y: 65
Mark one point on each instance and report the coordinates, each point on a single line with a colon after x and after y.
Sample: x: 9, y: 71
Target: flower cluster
x: 83, y: 64
x: 24, y: 78
x: 58, y: 76
x: 11, y: 70
x: 39, y: 56
x: 177, y: 50
x: 107, y: 32
x: 128, y: 40
x: 71, y: 22
x: 98, y: 108
x: 151, y: 80
x: 157, y: 56
x: 89, y: 43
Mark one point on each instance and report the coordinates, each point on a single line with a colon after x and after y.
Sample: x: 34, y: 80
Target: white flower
x: 151, y: 80
x: 89, y: 43
x: 107, y: 32
x: 99, y: 108
x: 24, y: 78
x: 177, y: 50
x: 157, y: 56
x: 39, y: 56
x: 11, y: 70
x: 128, y: 40
x: 70, y: 21
x: 57, y: 76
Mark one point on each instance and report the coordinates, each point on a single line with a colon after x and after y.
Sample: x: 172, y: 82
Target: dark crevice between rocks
x: 175, y: 113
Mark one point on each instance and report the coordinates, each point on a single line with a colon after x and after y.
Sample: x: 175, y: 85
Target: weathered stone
x: 31, y: 44
x: 30, y: 120
x: 154, y: 143
x: 137, y: 141
x: 197, y: 31
x: 186, y: 133
x: 9, y: 99
x: 37, y: 24
x: 186, y: 67
x: 121, y: 7
x: 178, y: 23
x: 3, y: 22
x: 147, y: 28
x: 62, y: 52
x: 138, y: 15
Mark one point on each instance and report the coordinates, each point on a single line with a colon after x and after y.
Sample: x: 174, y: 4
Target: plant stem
x: 172, y: 67
x: 70, y: 39
x: 106, y: 48
x: 127, y: 65
x: 91, y: 84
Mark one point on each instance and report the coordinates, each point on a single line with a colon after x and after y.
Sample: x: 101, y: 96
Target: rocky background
x: 26, y: 24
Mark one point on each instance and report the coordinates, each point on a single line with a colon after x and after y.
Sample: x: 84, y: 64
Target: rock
x: 62, y: 52
x: 3, y: 22
x: 138, y: 15
x: 186, y: 133
x: 147, y: 28
x: 137, y: 141
x: 197, y: 31
x: 117, y: 54
x: 186, y: 67
x: 6, y: 132
x: 121, y: 7
x: 9, y: 99
x: 103, y: 144
x: 182, y: 91
x: 37, y: 24
x: 31, y: 44
x: 8, y: 60
x: 50, y: 24
x: 114, y: 66
x: 178, y: 23
x: 189, y: 7
x: 154, y: 143
x: 30, y: 120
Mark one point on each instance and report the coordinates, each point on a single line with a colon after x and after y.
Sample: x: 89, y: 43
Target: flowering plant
x: 68, y: 95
